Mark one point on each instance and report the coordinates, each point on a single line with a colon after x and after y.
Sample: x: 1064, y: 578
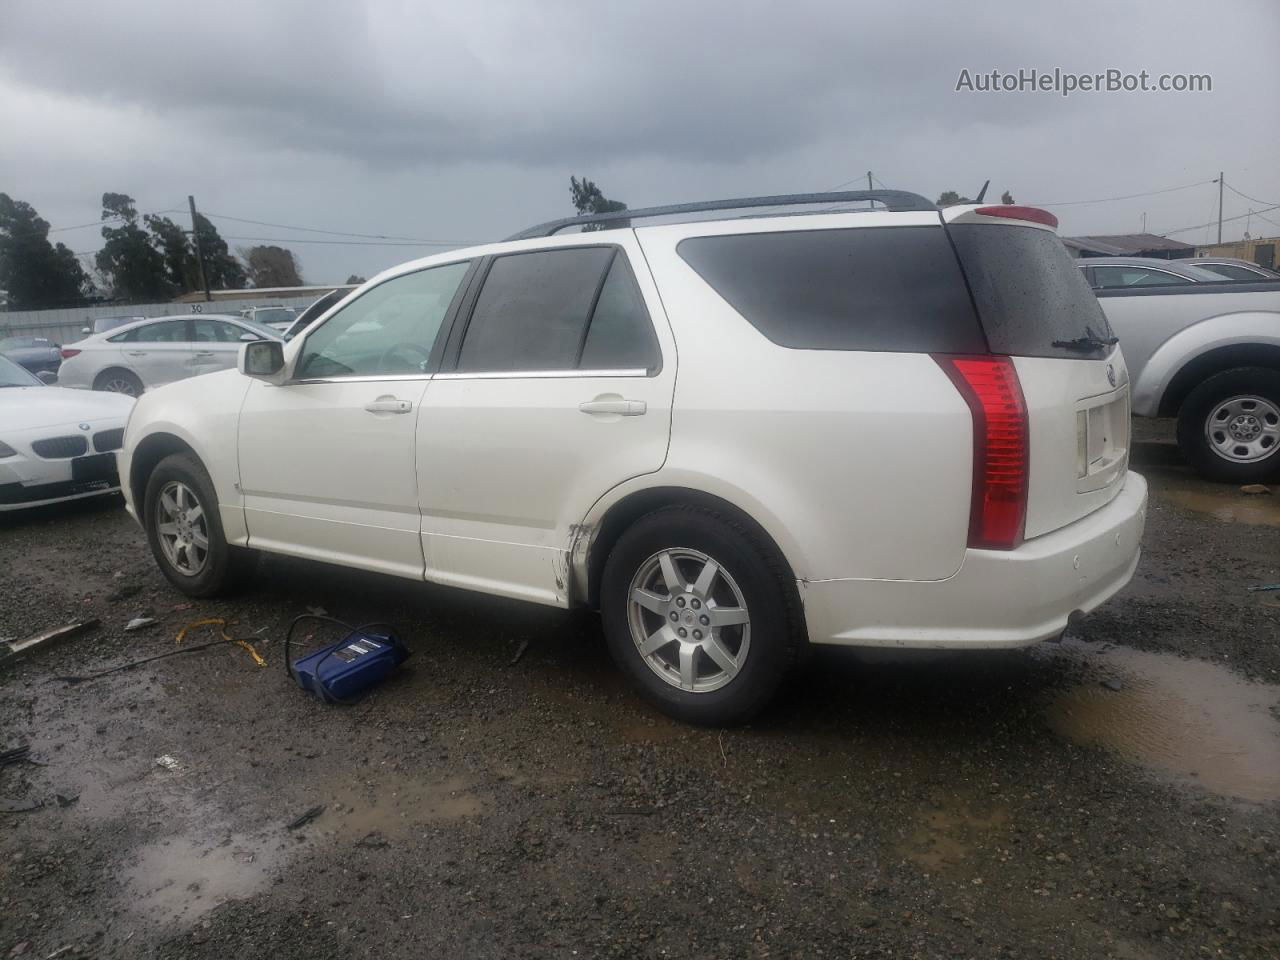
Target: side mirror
x: 47, y: 377
x: 263, y: 360
x: 86, y: 330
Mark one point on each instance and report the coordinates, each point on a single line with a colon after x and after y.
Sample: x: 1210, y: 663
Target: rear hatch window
x: 887, y: 289
x: 1033, y: 299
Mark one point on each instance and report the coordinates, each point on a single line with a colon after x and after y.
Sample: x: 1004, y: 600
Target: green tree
x: 35, y: 272
x: 271, y: 266
x: 949, y: 198
x: 355, y: 278
x: 136, y: 270
x: 223, y: 270
x: 1006, y: 198
x: 588, y: 199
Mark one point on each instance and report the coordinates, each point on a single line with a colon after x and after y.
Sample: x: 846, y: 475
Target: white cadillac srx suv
x: 732, y: 435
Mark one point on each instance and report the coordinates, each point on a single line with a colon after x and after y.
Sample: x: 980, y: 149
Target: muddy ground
x: 979, y: 805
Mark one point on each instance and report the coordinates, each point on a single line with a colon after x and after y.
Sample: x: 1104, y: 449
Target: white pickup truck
x: 1208, y: 354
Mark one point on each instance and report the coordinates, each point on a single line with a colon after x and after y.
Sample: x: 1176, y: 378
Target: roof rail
x: 894, y: 200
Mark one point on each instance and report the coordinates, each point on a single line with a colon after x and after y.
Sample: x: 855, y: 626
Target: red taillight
x: 990, y: 386
x: 1014, y: 212
x: 68, y: 353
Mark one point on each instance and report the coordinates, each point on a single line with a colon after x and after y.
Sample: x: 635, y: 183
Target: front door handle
x: 136, y: 353
x: 205, y: 353
x: 389, y: 405
x: 618, y: 407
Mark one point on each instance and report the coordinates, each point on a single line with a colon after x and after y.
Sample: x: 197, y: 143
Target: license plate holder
x: 98, y: 466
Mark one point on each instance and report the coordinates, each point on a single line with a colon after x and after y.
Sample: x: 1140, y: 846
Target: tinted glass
x: 1029, y: 290
x: 170, y: 331
x: 875, y: 288
x: 12, y: 375
x: 390, y: 329
x: 1231, y: 271
x: 1108, y: 277
x: 620, y: 336
x: 532, y: 310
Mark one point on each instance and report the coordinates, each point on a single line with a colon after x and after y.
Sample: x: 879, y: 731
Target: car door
x: 157, y: 353
x: 216, y: 344
x: 557, y: 388
x: 327, y: 460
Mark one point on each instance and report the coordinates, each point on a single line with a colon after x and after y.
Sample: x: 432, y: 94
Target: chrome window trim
x: 539, y: 374
x: 363, y: 378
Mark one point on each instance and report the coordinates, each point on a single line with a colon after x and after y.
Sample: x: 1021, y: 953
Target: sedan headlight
x: 6, y: 450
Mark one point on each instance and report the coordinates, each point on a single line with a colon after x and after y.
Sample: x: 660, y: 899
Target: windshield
x: 273, y: 315
x: 12, y: 375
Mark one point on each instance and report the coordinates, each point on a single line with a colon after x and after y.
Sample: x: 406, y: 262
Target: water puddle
x: 1189, y: 720
x: 1227, y: 504
x: 383, y: 808
x: 179, y: 879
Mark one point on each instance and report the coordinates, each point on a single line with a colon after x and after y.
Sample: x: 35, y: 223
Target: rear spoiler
x: 990, y: 213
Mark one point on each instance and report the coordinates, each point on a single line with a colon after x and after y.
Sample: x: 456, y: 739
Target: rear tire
x: 707, y: 646
x: 118, y: 381
x: 1229, y: 426
x: 184, y: 529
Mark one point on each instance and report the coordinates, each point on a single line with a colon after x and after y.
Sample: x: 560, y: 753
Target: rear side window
x: 1111, y: 277
x: 1029, y: 291
x: 565, y: 309
x: 889, y: 289
x: 170, y: 331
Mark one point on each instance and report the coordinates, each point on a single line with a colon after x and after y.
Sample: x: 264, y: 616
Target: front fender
x: 1231, y: 329
x: 201, y: 413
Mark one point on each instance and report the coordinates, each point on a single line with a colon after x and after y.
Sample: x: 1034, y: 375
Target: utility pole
x: 1144, y: 221
x: 870, y: 203
x: 1219, y: 206
x: 195, y: 240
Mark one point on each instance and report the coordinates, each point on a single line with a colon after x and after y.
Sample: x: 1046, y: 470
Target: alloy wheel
x: 689, y: 620
x: 182, y: 528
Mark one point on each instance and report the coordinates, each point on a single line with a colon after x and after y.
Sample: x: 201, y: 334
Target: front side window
x: 169, y: 331
x: 389, y: 330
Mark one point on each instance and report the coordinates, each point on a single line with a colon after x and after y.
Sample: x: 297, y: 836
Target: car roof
x: 126, y: 327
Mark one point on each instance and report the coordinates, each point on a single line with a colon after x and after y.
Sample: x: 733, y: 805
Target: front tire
x: 185, y: 531
x: 700, y: 614
x: 1229, y: 426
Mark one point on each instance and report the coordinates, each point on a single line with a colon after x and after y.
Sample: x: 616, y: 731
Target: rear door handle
x: 620, y: 407
x: 206, y: 353
x: 389, y: 405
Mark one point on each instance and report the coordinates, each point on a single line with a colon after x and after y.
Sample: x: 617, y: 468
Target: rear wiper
x: 1087, y: 343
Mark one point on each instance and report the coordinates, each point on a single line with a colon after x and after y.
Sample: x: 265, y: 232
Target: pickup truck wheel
x: 1229, y: 426
x: 699, y: 614
x: 180, y: 513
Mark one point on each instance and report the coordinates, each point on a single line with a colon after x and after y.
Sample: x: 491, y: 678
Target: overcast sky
x: 463, y: 121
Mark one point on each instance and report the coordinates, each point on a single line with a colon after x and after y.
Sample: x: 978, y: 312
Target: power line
x: 1254, y: 213
x: 1246, y: 196
x: 1128, y: 196
x: 342, y: 233
x: 354, y: 243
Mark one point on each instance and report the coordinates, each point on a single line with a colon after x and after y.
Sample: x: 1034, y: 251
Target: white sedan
x: 56, y: 444
x: 149, y: 353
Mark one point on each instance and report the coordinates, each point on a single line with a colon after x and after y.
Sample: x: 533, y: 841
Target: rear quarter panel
x: 858, y: 464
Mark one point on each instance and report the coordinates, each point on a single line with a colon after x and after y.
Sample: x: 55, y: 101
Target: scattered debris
x: 169, y: 762
x: 317, y: 611
x: 64, y: 801
x: 524, y: 645
x: 1111, y: 683
x: 124, y: 593
x: 373, y: 841
x: 140, y: 623
x: 30, y: 809
x: 19, y: 648
x: 303, y: 819
x: 14, y: 755
x: 1255, y: 488
x: 1264, y: 587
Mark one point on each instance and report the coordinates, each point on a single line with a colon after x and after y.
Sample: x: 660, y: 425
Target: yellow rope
x: 219, y: 622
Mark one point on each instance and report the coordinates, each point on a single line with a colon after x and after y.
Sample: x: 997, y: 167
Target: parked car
x: 278, y: 318
x: 1105, y: 273
x: 1233, y: 268
x: 36, y: 354
x: 313, y: 310
x: 733, y: 437
x: 152, y: 352
x: 55, y: 444
x: 103, y: 324
x: 1208, y: 354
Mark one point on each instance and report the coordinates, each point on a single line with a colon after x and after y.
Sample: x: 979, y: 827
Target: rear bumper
x: 996, y: 598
